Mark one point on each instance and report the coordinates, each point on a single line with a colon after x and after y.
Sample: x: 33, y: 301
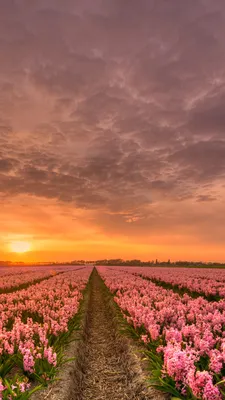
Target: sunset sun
x: 20, y: 247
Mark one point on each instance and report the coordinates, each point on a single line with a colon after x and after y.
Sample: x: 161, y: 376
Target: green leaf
x: 39, y: 387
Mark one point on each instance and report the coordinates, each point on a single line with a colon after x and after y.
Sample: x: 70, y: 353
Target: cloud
x: 7, y: 164
x: 207, y: 119
x: 203, y: 160
x: 205, y: 198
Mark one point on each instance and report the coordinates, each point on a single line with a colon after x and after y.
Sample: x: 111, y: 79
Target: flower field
x: 208, y: 282
x: 184, y: 336
x: 18, y: 277
x: 35, y: 323
x: 167, y: 311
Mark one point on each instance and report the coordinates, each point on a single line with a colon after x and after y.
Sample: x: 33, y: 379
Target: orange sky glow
x: 58, y: 232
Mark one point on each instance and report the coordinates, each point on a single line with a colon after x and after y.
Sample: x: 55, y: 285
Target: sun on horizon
x: 20, y: 247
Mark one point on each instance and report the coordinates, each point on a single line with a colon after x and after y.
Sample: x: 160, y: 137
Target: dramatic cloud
x: 115, y: 109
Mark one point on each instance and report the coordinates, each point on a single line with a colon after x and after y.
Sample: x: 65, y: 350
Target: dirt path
x: 110, y: 370
x: 107, y: 366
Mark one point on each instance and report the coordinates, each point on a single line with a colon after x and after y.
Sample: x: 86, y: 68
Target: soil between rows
x: 107, y: 366
x: 110, y: 369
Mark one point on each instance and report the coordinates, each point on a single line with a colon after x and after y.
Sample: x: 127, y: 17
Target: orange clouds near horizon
x: 59, y: 232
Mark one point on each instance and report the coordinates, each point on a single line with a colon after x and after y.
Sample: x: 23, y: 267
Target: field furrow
x: 107, y: 365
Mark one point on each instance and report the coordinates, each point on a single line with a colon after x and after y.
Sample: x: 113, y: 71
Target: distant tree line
x: 121, y: 262
x: 135, y: 262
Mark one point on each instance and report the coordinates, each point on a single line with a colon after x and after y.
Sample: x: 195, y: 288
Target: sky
x: 112, y: 129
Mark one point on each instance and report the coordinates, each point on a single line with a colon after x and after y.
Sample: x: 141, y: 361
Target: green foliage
x: 14, y: 389
x: 7, y: 362
x: 35, y: 316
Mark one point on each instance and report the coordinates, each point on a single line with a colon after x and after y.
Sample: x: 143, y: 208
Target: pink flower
x: 216, y: 361
x: 145, y: 338
x: 202, y: 386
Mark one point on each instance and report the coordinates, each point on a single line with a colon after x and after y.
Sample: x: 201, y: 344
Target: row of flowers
x: 34, y: 325
x: 185, y: 336
x: 208, y: 282
x: 16, y: 277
